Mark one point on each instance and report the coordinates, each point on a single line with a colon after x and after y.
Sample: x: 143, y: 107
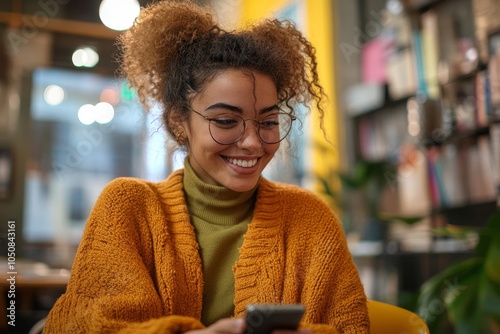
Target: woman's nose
x: 250, y: 136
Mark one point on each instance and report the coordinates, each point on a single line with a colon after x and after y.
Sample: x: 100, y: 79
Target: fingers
x: 299, y: 331
x: 229, y: 326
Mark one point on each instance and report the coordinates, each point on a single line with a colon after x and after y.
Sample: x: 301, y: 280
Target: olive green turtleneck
x: 220, y: 218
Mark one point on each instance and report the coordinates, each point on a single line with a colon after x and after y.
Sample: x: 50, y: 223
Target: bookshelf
x: 440, y: 81
x: 431, y: 76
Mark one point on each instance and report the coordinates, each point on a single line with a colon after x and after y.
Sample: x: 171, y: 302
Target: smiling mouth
x: 242, y: 163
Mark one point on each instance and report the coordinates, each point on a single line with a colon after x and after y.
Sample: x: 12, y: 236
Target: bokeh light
x: 53, y: 95
x: 86, y: 114
x: 85, y: 57
x: 104, y: 112
x: 119, y: 14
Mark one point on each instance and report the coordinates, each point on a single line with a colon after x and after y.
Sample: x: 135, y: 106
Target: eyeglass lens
x: 228, y: 128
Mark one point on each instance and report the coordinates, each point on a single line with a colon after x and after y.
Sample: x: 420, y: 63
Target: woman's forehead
x: 239, y: 89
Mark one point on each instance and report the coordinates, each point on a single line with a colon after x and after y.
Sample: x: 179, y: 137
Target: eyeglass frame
x: 210, y: 119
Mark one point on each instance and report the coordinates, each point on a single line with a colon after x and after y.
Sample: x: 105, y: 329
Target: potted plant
x: 360, y: 197
x: 467, y: 293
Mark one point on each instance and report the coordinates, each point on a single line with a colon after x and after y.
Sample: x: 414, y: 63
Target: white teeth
x: 243, y: 163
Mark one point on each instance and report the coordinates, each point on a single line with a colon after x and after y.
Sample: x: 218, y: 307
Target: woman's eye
x: 270, y: 123
x: 226, y: 122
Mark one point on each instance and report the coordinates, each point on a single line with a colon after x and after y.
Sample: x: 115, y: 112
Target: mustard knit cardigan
x: 138, y: 270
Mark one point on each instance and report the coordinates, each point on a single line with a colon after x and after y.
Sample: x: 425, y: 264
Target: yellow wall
x: 320, y: 32
x: 252, y: 10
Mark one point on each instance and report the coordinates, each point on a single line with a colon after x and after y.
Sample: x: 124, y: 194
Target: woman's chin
x: 239, y: 186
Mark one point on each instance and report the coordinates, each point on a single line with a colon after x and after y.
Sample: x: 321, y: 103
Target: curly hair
x: 175, y: 47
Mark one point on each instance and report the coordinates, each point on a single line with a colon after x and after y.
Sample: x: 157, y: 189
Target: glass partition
x: 86, y: 130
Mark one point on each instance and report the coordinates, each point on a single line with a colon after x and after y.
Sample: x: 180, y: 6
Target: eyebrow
x: 222, y: 105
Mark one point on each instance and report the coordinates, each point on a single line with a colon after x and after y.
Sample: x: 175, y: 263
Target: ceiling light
x: 53, y: 95
x: 104, y: 112
x: 86, y: 114
x: 85, y: 57
x: 119, y: 14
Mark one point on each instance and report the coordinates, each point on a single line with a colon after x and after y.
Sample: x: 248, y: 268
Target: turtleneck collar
x: 215, y: 204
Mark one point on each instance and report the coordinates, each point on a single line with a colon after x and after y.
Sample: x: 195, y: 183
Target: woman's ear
x: 178, y: 126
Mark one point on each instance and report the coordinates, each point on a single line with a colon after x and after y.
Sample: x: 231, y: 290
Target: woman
x: 191, y: 252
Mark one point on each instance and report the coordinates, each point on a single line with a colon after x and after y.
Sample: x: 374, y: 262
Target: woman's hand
x: 223, y: 326
x: 237, y: 326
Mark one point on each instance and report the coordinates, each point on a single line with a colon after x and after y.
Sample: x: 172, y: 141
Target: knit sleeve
x: 321, y: 328
x: 330, y: 286
x: 333, y: 288
x: 112, y: 285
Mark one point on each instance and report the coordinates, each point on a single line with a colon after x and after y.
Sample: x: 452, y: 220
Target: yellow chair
x: 390, y: 319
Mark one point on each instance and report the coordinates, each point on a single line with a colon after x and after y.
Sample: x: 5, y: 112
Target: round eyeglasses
x: 227, y: 129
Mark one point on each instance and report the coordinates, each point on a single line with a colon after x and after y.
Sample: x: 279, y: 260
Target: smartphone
x: 264, y: 318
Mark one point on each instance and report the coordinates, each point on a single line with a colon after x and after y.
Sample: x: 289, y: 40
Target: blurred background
x: 412, y: 164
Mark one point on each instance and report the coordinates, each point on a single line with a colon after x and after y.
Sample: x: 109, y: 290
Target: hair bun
x: 157, y: 37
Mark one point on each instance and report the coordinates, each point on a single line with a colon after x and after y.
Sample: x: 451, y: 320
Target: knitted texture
x: 137, y: 269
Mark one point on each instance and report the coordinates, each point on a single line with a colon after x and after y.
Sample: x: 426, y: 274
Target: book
x: 430, y: 51
x: 495, y: 149
x: 381, y: 134
x: 401, y: 73
x: 453, y: 184
x: 412, y: 181
x: 449, y: 55
x: 486, y: 14
x: 482, y: 98
x: 461, y: 98
x: 419, y: 62
x: 374, y: 57
x: 436, y: 193
x: 480, y: 172
x: 494, y: 80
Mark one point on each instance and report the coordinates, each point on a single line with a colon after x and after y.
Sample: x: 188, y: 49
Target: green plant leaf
x: 454, y: 232
x: 363, y: 173
x: 470, y: 289
x: 409, y: 220
x: 492, y: 262
x: 461, y: 297
x: 356, y: 180
x: 431, y: 305
x: 464, y: 311
x: 326, y: 186
x: 491, y: 228
x: 489, y: 296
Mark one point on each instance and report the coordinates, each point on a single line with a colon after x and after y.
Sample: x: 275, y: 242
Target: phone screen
x: 264, y: 318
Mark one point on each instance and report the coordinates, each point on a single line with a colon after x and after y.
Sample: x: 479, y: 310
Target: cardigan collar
x: 261, y: 240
